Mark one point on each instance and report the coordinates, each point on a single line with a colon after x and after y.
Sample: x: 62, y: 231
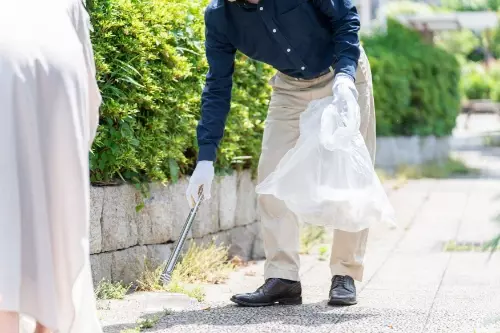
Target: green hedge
x: 476, y: 83
x: 151, y: 66
x: 480, y: 82
x: 416, y: 85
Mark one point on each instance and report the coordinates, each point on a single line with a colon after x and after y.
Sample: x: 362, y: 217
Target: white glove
x: 345, y: 100
x: 201, y: 180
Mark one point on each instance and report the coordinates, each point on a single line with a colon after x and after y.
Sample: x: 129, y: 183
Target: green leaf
x: 139, y: 207
x: 174, y: 170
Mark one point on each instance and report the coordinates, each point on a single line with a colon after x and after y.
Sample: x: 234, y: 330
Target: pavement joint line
x: 397, y: 243
x: 459, y: 225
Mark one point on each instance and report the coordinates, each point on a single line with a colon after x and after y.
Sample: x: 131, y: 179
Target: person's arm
x: 344, y: 20
x: 216, y: 97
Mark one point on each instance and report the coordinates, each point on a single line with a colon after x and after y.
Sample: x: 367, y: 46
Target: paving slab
x: 473, y: 269
x: 481, y: 217
x: 373, y: 320
x: 318, y: 323
x: 219, y: 318
x: 118, y: 315
x: 472, y: 309
x: 468, y: 298
x: 411, y: 273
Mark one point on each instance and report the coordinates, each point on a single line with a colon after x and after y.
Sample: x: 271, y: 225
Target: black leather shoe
x: 272, y: 291
x: 343, y: 291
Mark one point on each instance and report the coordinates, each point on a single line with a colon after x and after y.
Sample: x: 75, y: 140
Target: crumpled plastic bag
x: 328, y: 178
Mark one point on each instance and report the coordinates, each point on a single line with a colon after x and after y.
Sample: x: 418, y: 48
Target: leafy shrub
x: 151, y: 66
x: 494, y: 72
x: 495, y: 42
x: 479, y: 82
x: 404, y: 7
x: 470, y: 5
x: 461, y: 42
x: 416, y: 85
x: 495, y: 93
x: 477, y: 86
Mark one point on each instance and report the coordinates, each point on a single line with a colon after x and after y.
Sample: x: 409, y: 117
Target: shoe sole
x: 342, y: 302
x: 284, y: 301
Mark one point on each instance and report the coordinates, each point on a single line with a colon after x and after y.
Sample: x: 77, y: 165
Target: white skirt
x: 49, y: 111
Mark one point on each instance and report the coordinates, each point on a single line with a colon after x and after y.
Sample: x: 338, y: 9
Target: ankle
x: 41, y: 329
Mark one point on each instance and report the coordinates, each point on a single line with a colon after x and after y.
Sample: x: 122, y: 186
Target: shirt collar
x: 246, y: 5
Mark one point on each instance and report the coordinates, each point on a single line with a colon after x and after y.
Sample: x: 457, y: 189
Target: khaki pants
x: 280, y: 228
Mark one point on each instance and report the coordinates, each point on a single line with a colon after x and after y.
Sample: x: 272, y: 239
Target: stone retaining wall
x: 121, y: 237
x: 396, y: 151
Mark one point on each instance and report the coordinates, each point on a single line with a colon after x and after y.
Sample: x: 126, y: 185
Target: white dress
x: 49, y: 112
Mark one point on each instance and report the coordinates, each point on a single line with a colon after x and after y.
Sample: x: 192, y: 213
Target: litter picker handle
x: 166, y: 276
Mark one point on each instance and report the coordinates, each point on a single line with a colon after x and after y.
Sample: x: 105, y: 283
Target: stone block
x: 127, y: 265
x: 207, y: 218
x: 408, y: 150
x: 443, y: 147
x: 427, y: 148
x: 180, y: 208
x: 118, y: 222
x: 96, y: 206
x: 159, y: 253
x: 246, y: 207
x: 156, y: 220
x: 242, y: 241
x: 228, y: 198
x: 385, y: 152
x: 395, y: 151
x: 220, y: 238
x: 101, y: 267
x: 258, y: 252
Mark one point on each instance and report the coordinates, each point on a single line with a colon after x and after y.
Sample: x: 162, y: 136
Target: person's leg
x: 348, y: 248
x: 9, y: 322
x: 348, y: 252
x: 280, y: 227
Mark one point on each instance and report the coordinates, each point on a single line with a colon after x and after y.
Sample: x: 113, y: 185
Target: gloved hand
x: 202, y: 178
x: 345, y: 100
x: 340, y: 121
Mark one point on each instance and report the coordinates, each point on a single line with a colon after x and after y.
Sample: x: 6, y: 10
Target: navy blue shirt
x: 300, y: 38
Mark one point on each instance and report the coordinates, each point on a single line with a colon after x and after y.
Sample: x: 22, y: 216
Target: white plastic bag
x: 328, y: 178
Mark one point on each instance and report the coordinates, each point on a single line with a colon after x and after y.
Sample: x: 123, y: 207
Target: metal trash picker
x: 166, y: 276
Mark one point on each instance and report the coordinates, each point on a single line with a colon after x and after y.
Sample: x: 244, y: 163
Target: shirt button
x: 288, y: 50
x: 261, y: 8
x: 274, y: 30
x: 302, y: 68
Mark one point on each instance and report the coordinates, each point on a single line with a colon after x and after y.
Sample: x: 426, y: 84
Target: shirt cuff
x: 207, y: 152
x: 346, y: 66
